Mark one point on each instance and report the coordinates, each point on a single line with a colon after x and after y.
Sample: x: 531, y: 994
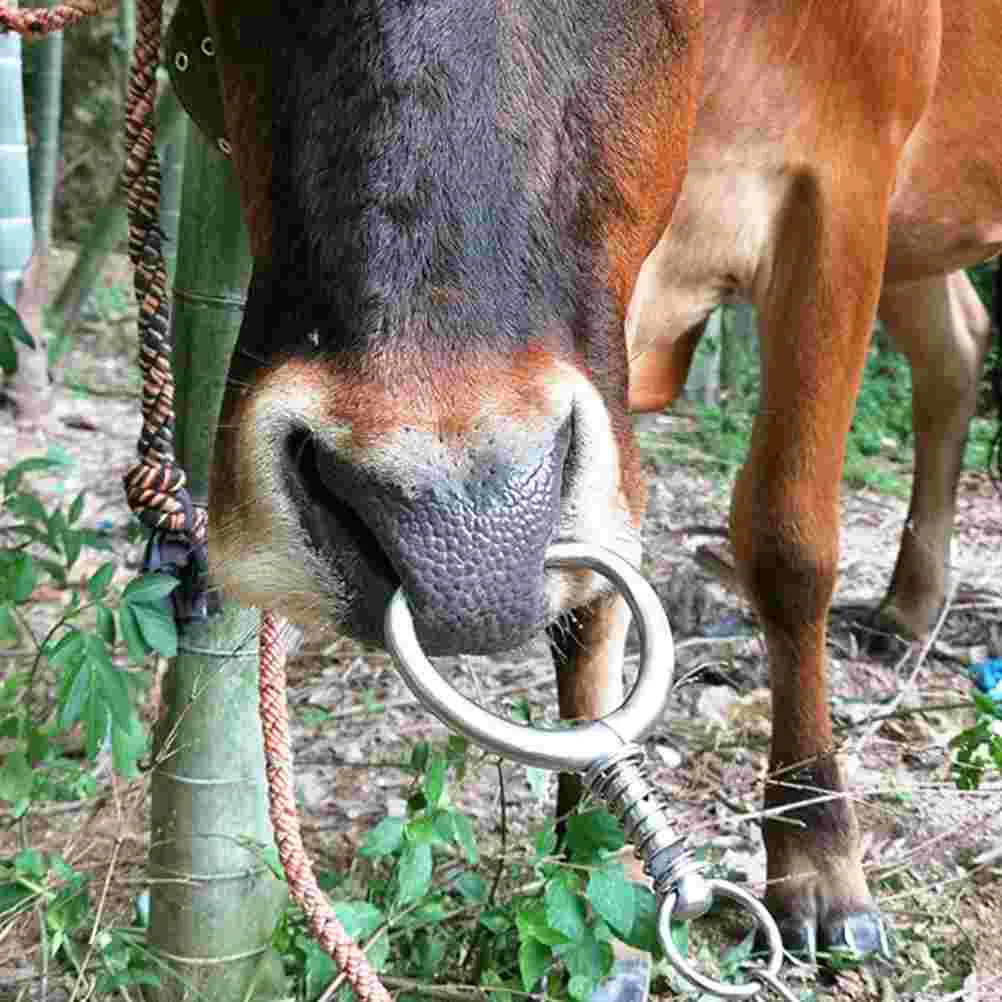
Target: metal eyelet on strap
x: 181, y: 61
x: 224, y: 146
x: 208, y: 46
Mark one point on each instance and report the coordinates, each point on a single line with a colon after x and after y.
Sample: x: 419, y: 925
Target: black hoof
x: 881, y: 638
x: 858, y: 935
x: 840, y: 938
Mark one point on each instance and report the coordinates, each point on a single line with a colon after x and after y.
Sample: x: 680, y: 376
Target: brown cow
x: 819, y: 164
x: 431, y: 384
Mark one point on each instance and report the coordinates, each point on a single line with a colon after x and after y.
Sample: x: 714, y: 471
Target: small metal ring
x: 725, y: 889
x: 208, y: 46
x: 224, y: 146
x: 181, y: 61
x: 574, y: 749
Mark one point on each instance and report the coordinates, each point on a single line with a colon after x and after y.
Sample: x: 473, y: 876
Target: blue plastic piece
x: 988, y: 677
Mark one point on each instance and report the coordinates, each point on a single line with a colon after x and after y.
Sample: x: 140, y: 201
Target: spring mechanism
x: 622, y: 782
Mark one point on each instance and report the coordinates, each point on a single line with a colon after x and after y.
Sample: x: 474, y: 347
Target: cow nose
x: 463, y: 528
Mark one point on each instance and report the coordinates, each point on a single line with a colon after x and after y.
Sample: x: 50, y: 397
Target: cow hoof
x: 884, y: 636
x: 857, y: 935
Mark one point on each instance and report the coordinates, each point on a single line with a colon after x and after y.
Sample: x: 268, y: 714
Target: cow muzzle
x: 463, y: 526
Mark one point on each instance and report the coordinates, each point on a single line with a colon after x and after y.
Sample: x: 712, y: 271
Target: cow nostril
x: 331, y: 521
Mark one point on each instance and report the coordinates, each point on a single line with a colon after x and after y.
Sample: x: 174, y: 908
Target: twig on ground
x: 908, y: 711
x: 92, y: 941
x: 905, y: 861
x: 873, y: 724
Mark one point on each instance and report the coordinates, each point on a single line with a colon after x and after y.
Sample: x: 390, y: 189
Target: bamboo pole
x: 16, y: 237
x: 214, y: 901
x: 47, y: 92
x: 172, y: 173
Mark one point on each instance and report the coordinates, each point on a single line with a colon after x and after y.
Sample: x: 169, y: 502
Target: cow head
x: 430, y: 383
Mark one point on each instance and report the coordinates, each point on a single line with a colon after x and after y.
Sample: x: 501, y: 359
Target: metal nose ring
x: 570, y: 750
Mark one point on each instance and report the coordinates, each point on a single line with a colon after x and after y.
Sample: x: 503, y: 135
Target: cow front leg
x: 943, y: 329
x: 587, y: 649
x: 815, y: 320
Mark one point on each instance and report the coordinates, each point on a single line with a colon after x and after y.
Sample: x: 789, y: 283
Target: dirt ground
x: 928, y: 845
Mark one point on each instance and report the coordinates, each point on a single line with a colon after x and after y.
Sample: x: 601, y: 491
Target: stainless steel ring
x: 574, y: 749
x: 725, y: 889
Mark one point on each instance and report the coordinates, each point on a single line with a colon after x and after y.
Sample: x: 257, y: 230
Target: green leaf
x: 15, y: 776
x: 612, y: 896
x: 131, y: 634
x: 434, y: 781
x: 93, y: 691
x: 157, y: 626
x: 8, y: 627
x: 497, y: 920
x: 72, y: 545
x: 11, y: 329
x: 34, y: 464
x: 532, y: 923
x: 8, y: 353
x: 70, y: 647
x: 30, y: 863
x: 419, y: 756
x: 128, y: 745
x: 413, y: 873
x: 359, y: 918
x: 24, y: 578
x: 106, y: 624
x: 680, y: 934
x: 533, y: 959
x: 76, y: 509
x: 72, y: 693
x: 465, y: 837
x: 471, y: 887
x: 738, y: 954
x: 428, y: 830
x: 28, y: 507
x: 456, y: 752
x: 97, y: 583
x: 591, y: 835
x: 318, y: 970
x: 113, y: 686
x: 644, y: 933
x: 13, y: 326
x: 385, y: 838
x: 587, y: 957
x: 545, y: 843
x: 565, y: 910
x: 12, y: 894
x: 581, y: 988
x: 149, y: 588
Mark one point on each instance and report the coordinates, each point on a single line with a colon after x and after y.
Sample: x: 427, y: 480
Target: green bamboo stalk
x: 47, y: 89
x: 110, y: 228
x: 16, y: 238
x: 214, y: 902
x: 171, y: 174
x: 22, y: 276
x: 125, y: 39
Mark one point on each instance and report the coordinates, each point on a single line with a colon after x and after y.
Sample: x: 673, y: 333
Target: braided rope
x: 324, y: 925
x: 155, y: 485
x: 42, y: 20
